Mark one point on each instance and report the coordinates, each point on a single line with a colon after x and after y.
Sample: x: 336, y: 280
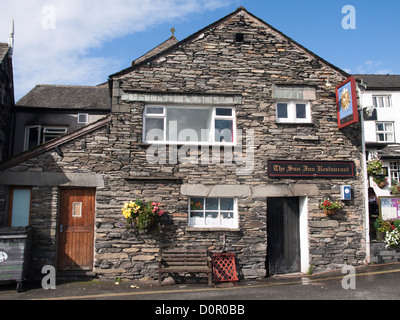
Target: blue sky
x: 81, y: 42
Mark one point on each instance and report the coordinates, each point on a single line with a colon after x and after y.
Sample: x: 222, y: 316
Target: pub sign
x: 346, y: 102
x: 315, y: 169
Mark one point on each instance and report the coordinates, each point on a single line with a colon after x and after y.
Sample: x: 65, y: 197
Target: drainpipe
x: 364, y: 165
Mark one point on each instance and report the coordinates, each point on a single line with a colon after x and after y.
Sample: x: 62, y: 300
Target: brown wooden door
x: 76, y: 229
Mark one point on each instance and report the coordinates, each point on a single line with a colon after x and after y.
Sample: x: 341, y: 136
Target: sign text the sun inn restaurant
x: 315, y: 169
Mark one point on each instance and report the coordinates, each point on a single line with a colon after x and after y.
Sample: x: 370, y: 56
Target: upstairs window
x: 382, y: 101
x: 36, y: 135
x: 293, y: 112
x: 189, y: 125
x: 384, y: 132
x: 83, y: 118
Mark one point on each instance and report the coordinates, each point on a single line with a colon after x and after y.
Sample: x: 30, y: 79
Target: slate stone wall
x: 6, y: 105
x: 240, y: 74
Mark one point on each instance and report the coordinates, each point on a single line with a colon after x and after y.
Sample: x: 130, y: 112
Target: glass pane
x: 212, y: 218
x: 33, y: 137
x: 227, y: 215
x: 381, y: 101
x: 196, y: 215
x: 196, y: 204
x: 282, y: 110
x: 77, y: 209
x: 55, y: 130
x: 212, y: 204
x: 380, y: 127
x: 389, y: 127
x: 188, y: 124
x: 20, y: 208
x: 155, y: 110
x: 300, y: 111
x: 375, y: 102
x: 389, y: 137
x: 381, y: 137
x: 388, y: 101
x: 196, y: 218
x: 223, y: 130
x: 48, y: 137
x: 154, y: 129
x: 223, y: 112
x: 226, y: 204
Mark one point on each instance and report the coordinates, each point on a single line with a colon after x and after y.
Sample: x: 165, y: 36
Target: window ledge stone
x: 201, y: 229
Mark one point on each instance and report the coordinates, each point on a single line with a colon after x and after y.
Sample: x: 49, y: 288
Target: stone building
x: 48, y: 111
x: 234, y: 131
x: 6, y: 99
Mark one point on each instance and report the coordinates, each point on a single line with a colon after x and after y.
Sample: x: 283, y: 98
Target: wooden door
x: 283, y: 227
x: 76, y: 229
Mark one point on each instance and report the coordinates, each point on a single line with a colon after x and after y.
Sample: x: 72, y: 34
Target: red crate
x: 224, y: 267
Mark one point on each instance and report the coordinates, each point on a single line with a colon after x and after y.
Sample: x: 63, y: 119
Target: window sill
x: 295, y: 123
x: 178, y: 145
x: 204, y: 229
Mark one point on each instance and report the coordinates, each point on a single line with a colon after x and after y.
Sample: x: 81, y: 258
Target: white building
x: 382, y: 129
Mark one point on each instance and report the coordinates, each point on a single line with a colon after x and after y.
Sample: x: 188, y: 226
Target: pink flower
x: 160, y: 213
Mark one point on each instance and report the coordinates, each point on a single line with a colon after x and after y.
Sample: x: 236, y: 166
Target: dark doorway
x: 283, y: 236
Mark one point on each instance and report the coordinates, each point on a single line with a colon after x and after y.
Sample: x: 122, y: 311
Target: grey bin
x: 15, y: 254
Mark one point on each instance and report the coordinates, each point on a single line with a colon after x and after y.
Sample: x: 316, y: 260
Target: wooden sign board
x: 346, y: 102
x: 315, y: 169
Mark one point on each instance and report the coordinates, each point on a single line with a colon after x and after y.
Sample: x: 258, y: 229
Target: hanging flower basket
x: 330, y: 207
x: 330, y: 212
x: 381, y: 181
x: 374, y: 166
x: 141, y: 215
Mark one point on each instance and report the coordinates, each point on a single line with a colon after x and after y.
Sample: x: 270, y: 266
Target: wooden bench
x: 184, y: 261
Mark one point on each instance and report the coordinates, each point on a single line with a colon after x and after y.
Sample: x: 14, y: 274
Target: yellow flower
x: 127, y: 213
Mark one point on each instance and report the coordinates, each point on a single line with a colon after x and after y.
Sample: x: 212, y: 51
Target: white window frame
x: 382, y: 101
x: 27, y: 135
x: 384, y: 132
x: 201, y: 222
x: 86, y: 115
x: 44, y: 133
x: 291, y: 112
x: 214, y: 117
x: 53, y: 132
x: 394, y: 167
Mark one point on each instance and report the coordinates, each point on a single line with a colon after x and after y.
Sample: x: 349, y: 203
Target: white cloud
x: 46, y: 55
x: 373, y: 67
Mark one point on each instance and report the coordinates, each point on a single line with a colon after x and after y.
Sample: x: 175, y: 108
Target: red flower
x: 327, y: 203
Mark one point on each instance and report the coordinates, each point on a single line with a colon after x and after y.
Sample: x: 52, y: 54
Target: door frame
x: 304, y: 244
x: 60, y: 190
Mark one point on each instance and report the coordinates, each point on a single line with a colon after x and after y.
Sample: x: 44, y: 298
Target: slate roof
x: 3, y: 50
x: 163, y: 46
x: 67, y: 97
x: 380, y: 82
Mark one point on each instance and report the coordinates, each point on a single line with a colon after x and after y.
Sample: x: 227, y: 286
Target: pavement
x: 369, y: 282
